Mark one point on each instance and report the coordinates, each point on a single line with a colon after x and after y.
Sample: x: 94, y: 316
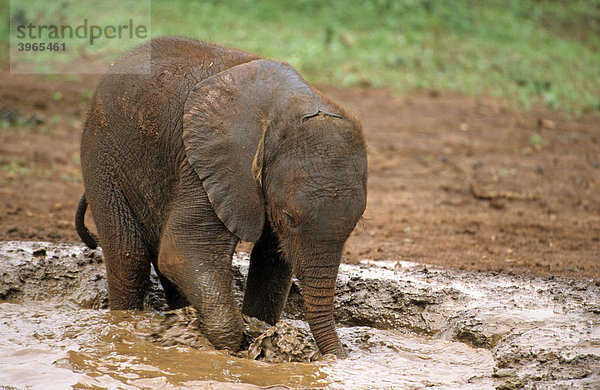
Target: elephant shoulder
x: 148, y: 85
x: 177, y: 57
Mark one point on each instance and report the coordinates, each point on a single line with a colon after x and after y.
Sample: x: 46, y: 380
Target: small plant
x: 504, y: 172
x: 86, y: 94
x: 71, y: 177
x: 537, y: 142
x: 17, y: 166
x: 57, y: 96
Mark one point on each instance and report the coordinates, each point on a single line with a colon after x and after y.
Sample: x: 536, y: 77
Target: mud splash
x: 405, y: 326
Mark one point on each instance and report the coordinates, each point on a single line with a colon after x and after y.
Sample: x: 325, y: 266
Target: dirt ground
x: 456, y: 181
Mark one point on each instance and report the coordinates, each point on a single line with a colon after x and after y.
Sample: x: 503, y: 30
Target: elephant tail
x: 86, y: 236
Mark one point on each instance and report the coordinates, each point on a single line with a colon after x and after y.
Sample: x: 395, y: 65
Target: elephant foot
x: 224, y: 332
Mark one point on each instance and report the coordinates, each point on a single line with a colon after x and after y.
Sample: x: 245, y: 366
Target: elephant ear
x: 225, y: 121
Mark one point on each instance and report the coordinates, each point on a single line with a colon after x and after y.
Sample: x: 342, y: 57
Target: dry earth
x: 455, y: 181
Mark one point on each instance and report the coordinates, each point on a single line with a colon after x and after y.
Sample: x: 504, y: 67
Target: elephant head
x: 270, y: 149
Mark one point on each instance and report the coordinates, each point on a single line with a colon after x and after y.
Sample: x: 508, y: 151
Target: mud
x: 280, y: 343
x: 405, y: 325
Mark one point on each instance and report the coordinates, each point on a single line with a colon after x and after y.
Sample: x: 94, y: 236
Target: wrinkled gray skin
x: 211, y: 146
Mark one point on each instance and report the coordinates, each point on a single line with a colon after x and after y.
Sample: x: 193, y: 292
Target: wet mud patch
x: 282, y: 342
x: 403, y: 325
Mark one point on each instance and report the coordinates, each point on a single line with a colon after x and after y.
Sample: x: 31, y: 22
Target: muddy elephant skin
x: 201, y: 146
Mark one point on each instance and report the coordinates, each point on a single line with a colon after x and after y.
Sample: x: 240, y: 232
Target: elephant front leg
x: 195, y: 255
x: 269, y: 279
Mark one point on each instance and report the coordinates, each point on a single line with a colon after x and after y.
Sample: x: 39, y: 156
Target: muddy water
x: 61, y: 346
x: 405, y: 326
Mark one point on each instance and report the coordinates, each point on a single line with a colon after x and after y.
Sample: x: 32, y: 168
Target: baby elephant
x: 195, y: 147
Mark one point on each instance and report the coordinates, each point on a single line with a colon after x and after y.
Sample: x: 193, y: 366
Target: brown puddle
x: 404, y: 326
x: 62, y: 346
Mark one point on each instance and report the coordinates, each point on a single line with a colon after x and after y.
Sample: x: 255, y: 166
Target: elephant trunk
x: 318, y: 287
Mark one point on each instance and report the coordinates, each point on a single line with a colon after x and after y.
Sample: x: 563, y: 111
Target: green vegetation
x: 57, y: 96
x: 522, y: 51
x: 64, y: 36
x: 17, y: 166
x: 537, y: 141
x: 86, y: 94
x: 19, y: 169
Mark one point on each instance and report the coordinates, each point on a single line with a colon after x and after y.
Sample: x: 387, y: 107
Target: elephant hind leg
x: 128, y: 276
x: 126, y: 255
x: 175, y: 299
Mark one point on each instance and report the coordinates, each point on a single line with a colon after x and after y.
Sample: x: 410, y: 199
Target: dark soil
x: 456, y: 181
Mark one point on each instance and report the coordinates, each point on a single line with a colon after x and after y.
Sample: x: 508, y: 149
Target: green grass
x: 521, y: 51
x: 17, y: 166
x: 525, y: 52
x: 64, y: 36
x: 18, y: 169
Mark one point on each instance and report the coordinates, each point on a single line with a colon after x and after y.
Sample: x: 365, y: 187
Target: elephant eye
x: 289, y: 221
